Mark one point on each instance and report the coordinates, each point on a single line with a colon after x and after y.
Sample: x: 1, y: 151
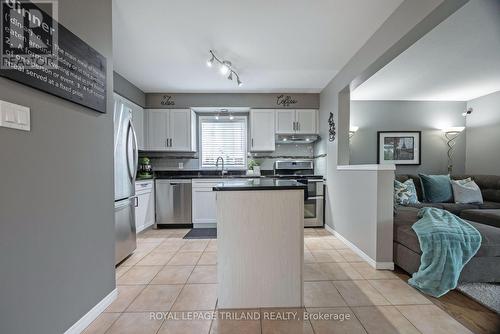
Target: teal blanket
x: 447, y: 243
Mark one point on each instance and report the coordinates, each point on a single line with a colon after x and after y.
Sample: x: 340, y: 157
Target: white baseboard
x: 91, y: 315
x: 363, y: 255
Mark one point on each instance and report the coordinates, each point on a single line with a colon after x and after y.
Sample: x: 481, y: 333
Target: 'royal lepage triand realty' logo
x: 29, y: 35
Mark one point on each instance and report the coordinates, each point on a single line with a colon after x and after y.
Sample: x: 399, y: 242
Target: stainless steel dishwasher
x: 173, y: 203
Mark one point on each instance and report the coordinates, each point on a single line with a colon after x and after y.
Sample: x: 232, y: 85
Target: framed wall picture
x: 400, y: 148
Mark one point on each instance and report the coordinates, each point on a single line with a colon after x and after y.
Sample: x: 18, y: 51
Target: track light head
x: 225, y: 67
x: 210, y: 62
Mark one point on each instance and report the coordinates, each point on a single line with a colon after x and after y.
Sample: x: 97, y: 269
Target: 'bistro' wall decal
x: 167, y: 100
x: 285, y: 101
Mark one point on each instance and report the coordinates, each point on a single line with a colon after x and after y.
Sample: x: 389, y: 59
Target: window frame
x: 226, y: 119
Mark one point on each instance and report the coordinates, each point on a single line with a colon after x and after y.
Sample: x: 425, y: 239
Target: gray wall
x: 128, y: 90
x: 56, y: 199
x: 410, y: 21
x: 428, y: 117
x: 190, y: 100
x: 483, y: 135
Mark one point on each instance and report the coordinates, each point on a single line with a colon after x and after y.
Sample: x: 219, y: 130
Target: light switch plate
x: 14, y: 116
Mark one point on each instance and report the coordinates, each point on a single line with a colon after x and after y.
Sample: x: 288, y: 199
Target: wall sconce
x: 451, y: 135
x: 352, y: 131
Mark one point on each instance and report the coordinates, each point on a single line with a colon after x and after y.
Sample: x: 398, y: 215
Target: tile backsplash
x: 190, y: 161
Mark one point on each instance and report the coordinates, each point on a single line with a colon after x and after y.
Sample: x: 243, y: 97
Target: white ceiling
x: 459, y: 60
x: 276, y: 46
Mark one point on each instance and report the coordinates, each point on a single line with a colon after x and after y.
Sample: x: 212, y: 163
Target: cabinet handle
x: 252, y: 142
x: 298, y: 126
x: 166, y: 142
x: 293, y: 126
x: 136, y: 201
x: 170, y: 142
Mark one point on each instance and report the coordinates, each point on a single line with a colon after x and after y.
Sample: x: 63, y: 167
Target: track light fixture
x: 226, y: 68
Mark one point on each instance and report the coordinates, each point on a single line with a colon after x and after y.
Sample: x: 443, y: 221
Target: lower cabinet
x: 204, y: 203
x: 204, y: 206
x: 145, y: 209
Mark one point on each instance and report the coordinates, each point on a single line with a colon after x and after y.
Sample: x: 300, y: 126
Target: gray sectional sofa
x: 485, y: 266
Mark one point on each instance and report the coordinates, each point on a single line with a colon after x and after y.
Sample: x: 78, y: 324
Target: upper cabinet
x: 262, y: 130
x: 300, y: 121
x: 172, y: 130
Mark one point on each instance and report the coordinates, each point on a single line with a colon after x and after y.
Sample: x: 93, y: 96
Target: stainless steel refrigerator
x: 126, y: 155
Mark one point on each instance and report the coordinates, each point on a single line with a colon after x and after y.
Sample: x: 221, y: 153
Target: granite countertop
x: 259, y: 184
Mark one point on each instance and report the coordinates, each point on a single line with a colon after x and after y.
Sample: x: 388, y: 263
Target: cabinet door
x: 150, y: 210
x: 306, y: 120
x: 204, y: 206
x: 180, y: 130
x: 157, y: 129
x: 262, y: 130
x: 141, y: 211
x: 285, y: 120
x: 138, y: 121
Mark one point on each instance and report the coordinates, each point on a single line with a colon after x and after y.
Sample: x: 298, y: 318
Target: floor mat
x: 487, y: 294
x: 202, y: 233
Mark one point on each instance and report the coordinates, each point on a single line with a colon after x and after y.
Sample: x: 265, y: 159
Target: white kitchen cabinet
x: 299, y: 121
x: 145, y: 209
x: 203, y: 203
x: 285, y: 121
x: 171, y: 130
x: 157, y: 120
x: 306, y: 121
x: 262, y: 130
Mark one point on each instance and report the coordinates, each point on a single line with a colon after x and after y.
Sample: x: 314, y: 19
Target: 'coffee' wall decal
x: 167, y: 100
x: 285, y: 101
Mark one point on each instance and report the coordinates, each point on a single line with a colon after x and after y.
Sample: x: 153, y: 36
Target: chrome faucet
x: 222, y: 171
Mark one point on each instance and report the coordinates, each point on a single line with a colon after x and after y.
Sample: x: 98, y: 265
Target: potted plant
x: 254, y: 167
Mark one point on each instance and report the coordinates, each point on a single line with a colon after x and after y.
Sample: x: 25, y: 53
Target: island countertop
x: 259, y: 184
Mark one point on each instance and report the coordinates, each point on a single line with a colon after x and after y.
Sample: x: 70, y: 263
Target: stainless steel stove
x: 303, y: 171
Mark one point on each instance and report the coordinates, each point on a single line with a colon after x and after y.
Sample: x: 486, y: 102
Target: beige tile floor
x: 170, y: 277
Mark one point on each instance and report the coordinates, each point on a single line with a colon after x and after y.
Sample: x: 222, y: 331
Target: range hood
x: 296, y: 139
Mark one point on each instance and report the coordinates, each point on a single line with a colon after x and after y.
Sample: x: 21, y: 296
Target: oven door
x: 313, y: 205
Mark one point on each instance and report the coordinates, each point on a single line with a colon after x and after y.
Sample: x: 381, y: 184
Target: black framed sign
x: 41, y: 53
x: 399, y: 147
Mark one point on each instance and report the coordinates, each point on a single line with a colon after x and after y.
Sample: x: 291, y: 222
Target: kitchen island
x: 260, y: 247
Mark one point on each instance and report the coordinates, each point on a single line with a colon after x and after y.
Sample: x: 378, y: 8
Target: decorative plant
x: 252, y: 163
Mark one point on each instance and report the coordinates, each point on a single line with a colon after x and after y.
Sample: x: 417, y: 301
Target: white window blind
x: 223, y: 138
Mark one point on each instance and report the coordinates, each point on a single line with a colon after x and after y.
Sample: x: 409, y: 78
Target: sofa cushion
x: 490, y: 205
x: 404, y: 234
x: 484, y: 216
x: 456, y: 208
x: 436, y: 188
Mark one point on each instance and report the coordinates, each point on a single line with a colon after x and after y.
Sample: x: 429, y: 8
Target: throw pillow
x: 436, y: 188
x: 405, y: 192
x: 466, y: 192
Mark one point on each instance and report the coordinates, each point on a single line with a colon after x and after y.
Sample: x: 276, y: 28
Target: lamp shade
x: 454, y: 129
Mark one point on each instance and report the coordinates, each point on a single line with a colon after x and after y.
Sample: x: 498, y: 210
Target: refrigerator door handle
x: 132, y: 171
x: 135, y: 149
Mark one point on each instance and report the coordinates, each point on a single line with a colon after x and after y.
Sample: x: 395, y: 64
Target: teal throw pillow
x: 436, y: 188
